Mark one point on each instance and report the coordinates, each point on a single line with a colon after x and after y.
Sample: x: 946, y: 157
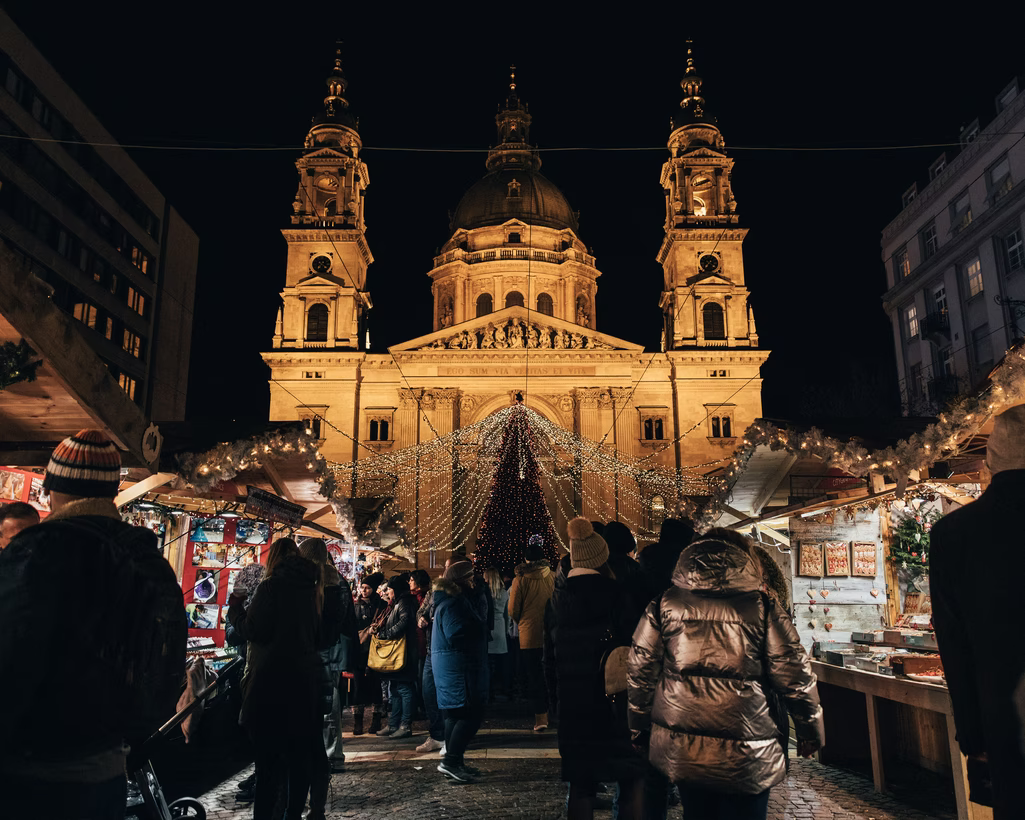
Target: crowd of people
x: 673, y: 672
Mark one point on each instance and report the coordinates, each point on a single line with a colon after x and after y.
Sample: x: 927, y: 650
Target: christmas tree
x: 516, y: 511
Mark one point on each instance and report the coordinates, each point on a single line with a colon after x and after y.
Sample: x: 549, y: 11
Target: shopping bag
x: 387, y: 655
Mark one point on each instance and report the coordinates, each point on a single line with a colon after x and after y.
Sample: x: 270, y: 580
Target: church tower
x: 324, y: 302
x: 704, y: 301
x: 514, y: 239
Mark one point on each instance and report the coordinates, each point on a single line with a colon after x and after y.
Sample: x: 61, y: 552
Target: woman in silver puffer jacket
x: 703, y: 655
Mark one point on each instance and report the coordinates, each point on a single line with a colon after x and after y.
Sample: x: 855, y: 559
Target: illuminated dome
x: 513, y: 187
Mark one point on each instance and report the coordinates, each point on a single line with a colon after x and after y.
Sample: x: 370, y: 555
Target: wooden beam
x: 313, y: 516
x: 276, y: 481
x: 139, y: 489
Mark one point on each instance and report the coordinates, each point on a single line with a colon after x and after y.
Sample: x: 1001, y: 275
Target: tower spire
x: 513, y: 123
x: 335, y: 103
x: 692, y: 103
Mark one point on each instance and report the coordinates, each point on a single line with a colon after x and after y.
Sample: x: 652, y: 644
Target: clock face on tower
x: 709, y: 263
x: 321, y: 264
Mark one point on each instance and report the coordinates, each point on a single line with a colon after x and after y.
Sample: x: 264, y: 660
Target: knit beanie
x: 373, y: 580
x: 86, y: 464
x: 587, y: 549
x: 458, y: 570
x: 1005, y: 449
x: 399, y: 583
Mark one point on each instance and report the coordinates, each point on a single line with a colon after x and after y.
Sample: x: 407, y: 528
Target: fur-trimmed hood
x: 533, y: 566
x: 444, y: 588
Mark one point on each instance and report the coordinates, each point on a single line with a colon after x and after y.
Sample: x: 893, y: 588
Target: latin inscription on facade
x: 534, y: 370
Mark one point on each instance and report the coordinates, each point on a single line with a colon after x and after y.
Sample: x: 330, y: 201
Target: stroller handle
x: 201, y: 696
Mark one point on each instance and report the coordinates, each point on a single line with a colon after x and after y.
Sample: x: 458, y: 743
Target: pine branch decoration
x: 16, y: 364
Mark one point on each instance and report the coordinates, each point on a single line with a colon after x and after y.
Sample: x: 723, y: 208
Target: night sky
x: 204, y: 76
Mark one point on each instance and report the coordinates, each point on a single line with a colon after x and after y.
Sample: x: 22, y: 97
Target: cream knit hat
x: 587, y: 549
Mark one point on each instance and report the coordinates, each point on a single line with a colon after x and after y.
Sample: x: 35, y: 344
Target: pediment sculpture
x: 518, y: 334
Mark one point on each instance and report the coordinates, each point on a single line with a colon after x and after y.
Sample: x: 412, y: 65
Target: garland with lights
x: 937, y: 442
x: 516, y: 511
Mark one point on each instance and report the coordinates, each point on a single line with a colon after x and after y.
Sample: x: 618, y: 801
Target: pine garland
x: 16, y: 363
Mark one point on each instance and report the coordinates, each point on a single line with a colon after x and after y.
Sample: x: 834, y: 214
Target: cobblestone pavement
x: 521, y: 780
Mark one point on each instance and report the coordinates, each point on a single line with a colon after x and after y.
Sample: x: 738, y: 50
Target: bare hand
x: 422, y: 623
x: 806, y: 748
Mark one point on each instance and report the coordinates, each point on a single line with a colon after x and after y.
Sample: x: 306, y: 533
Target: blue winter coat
x: 459, y: 648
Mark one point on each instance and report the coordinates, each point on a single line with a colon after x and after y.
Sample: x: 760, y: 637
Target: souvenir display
x: 208, y: 555
x: 202, y: 616
x: 241, y: 555
x: 864, y: 559
x: 251, y: 532
x: 11, y: 485
x: 37, y: 496
x: 208, y: 529
x: 810, y: 560
x: 838, y: 558
x: 205, y: 588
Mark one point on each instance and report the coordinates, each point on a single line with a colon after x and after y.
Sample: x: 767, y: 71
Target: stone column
x: 594, y: 418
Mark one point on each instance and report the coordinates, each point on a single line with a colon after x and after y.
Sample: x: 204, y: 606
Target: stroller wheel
x: 187, y: 807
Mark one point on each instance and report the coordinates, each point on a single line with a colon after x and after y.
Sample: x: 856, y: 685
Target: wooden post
x: 875, y: 744
x: 889, y: 570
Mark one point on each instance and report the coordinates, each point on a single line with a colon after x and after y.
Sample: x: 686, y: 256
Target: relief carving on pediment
x: 517, y: 334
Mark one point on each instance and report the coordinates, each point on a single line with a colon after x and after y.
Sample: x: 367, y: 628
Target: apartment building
x: 955, y: 261
x: 115, y: 255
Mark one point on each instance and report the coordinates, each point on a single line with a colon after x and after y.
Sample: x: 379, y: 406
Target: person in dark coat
x: 400, y: 621
x: 658, y: 560
x: 366, y: 685
x: 702, y: 658
x: 281, y: 686
x: 627, y: 571
x: 435, y: 739
x: 594, y: 614
x: 420, y: 589
x: 74, y: 591
x: 459, y: 658
x: 977, y: 560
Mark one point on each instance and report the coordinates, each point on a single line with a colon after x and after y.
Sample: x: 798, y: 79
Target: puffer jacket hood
x: 443, y: 588
x: 714, y: 567
x: 707, y: 658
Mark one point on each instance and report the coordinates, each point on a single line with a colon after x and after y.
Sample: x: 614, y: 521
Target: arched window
x: 514, y: 299
x: 713, y: 321
x: 545, y: 304
x: 331, y: 209
x: 658, y: 512
x: 484, y: 304
x: 373, y: 430
x: 384, y: 431
x: 649, y: 430
x: 316, y: 324
x: 658, y: 430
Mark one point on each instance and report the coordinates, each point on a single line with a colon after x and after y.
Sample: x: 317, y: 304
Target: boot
x: 357, y: 722
x: 375, y: 723
x: 540, y: 722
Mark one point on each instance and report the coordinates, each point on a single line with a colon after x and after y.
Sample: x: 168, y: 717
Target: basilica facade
x: 512, y: 295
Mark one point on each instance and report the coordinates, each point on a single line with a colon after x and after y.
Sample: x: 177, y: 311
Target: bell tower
x: 704, y: 301
x: 324, y: 302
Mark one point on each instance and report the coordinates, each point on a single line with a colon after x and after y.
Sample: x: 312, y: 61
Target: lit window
x: 973, y: 274
x: 132, y: 343
x: 901, y: 263
x: 911, y: 321
x: 960, y: 213
x: 1014, y: 251
x: 939, y: 299
x: 85, y: 313
x: 108, y: 329
x: 127, y: 384
x: 700, y: 209
x: 136, y: 301
x: 658, y: 512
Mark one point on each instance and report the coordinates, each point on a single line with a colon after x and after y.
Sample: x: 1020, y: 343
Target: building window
x: 1007, y: 95
x: 960, y: 213
x: 545, y: 304
x: 313, y: 374
x: 379, y: 430
x: 108, y: 328
x: 947, y: 362
x: 514, y: 192
x: 514, y: 238
x: 718, y: 374
x: 973, y: 276
x: 484, y: 304
x: 380, y: 424
x: 939, y: 299
x: 998, y: 179
x: 132, y: 343
x: 316, y: 323
x: 654, y: 428
x: 911, y: 321
x: 915, y: 380
x: 85, y: 313
x: 713, y: 320
x: 969, y: 134
x: 930, y: 240
x: 127, y: 384
x: 901, y: 264
x: 982, y: 348
x: 720, y: 426
x: 136, y: 301
x: 313, y: 426
x: 1014, y: 251
x: 514, y: 299
x: 937, y: 167
x: 909, y: 196
x: 657, y: 512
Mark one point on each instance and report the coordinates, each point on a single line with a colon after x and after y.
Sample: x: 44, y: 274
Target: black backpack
x: 122, y: 660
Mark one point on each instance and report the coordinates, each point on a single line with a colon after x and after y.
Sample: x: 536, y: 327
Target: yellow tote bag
x: 387, y: 655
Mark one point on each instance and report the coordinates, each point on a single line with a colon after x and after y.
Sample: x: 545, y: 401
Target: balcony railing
x: 942, y: 389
